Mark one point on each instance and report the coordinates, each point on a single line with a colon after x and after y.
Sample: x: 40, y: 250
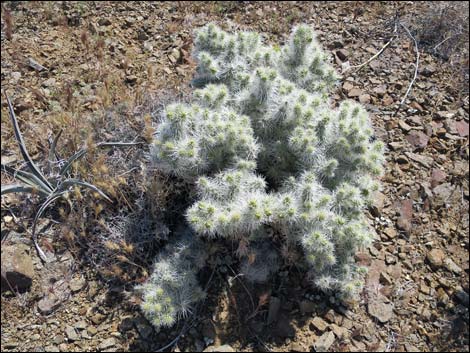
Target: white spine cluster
x: 267, y: 151
x: 172, y: 289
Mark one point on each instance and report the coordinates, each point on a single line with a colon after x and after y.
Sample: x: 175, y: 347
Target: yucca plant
x: 59, y: 180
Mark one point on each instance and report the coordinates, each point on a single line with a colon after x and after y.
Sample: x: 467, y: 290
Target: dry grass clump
x: 442, y: 29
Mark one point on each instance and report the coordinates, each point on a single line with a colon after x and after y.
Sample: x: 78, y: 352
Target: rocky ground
x: 66, y: 63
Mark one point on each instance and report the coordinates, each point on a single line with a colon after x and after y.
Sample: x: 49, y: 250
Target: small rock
x: 355, y: 92
x: 49, y: 82
x: 107, y: 343
x: 347, y: 86
x: 319, y: 324
x: 48, y: 304
x: 387, y: 100
x: 444, y: 115
x: 92, y: 28
x: 58, y: 339
x: 35, y: 65
x: 17, y: 267
x: 423, y: 160
x: 437, y: 177
x: 391, y: 233
x: 436, y: 257
x: 97, y: 318
x: 81, y: 325
x: 15, y: 76
x: 324, y: 342
x: 92, y: 330
x: 339, y: 331
x: 223, y: 348
x: 442, y: 296
x: 417, y: 139
x: 377, y: 203
x: 404, y: 126
x: 457, y: 127
x: 379, y: 309
x: 406, y: 215
x: 451, y: 265
x: 142, y: 35
x: 462, y: 128
x: 71, y: 333
x: 395, y: 146
x: 442, y: 194
x: 390, y: 259
x: 148, y: 47
x: 428, y: 70
x: 411, y: 348
x: 77, y: 284
x: 385, y: 278
x: 364, y: 98
x: 380, y: 90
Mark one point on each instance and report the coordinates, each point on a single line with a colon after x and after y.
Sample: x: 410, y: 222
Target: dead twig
x: 253, y: 306
x: 416, y: 69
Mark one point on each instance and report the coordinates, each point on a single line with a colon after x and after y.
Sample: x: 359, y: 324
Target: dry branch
x: 416, y: 69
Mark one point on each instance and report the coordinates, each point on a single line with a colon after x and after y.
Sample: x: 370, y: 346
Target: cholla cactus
x: 272, y: 161
x: 173, y: 288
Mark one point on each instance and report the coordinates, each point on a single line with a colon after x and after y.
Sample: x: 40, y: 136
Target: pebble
x: 71, y: 333
x: 77, y: 284
x: 436, y: 257
x: 107, y: 343
x: 48, y: 304
x: 81, y: 325
x: 319, y: 324
x: 379, y: 309
x: 451, y: 265
x: 324, y: 342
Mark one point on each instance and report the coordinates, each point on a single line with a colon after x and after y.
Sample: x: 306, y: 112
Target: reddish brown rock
x: 364, y: 98
x: 355, y: 92
x: 17, y: 267
x: 417, y: 139
x: 406, y: 215
x: 437, y: 177
x: 462, y: 128
x: 380, y: 90
x: 436, y: 257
